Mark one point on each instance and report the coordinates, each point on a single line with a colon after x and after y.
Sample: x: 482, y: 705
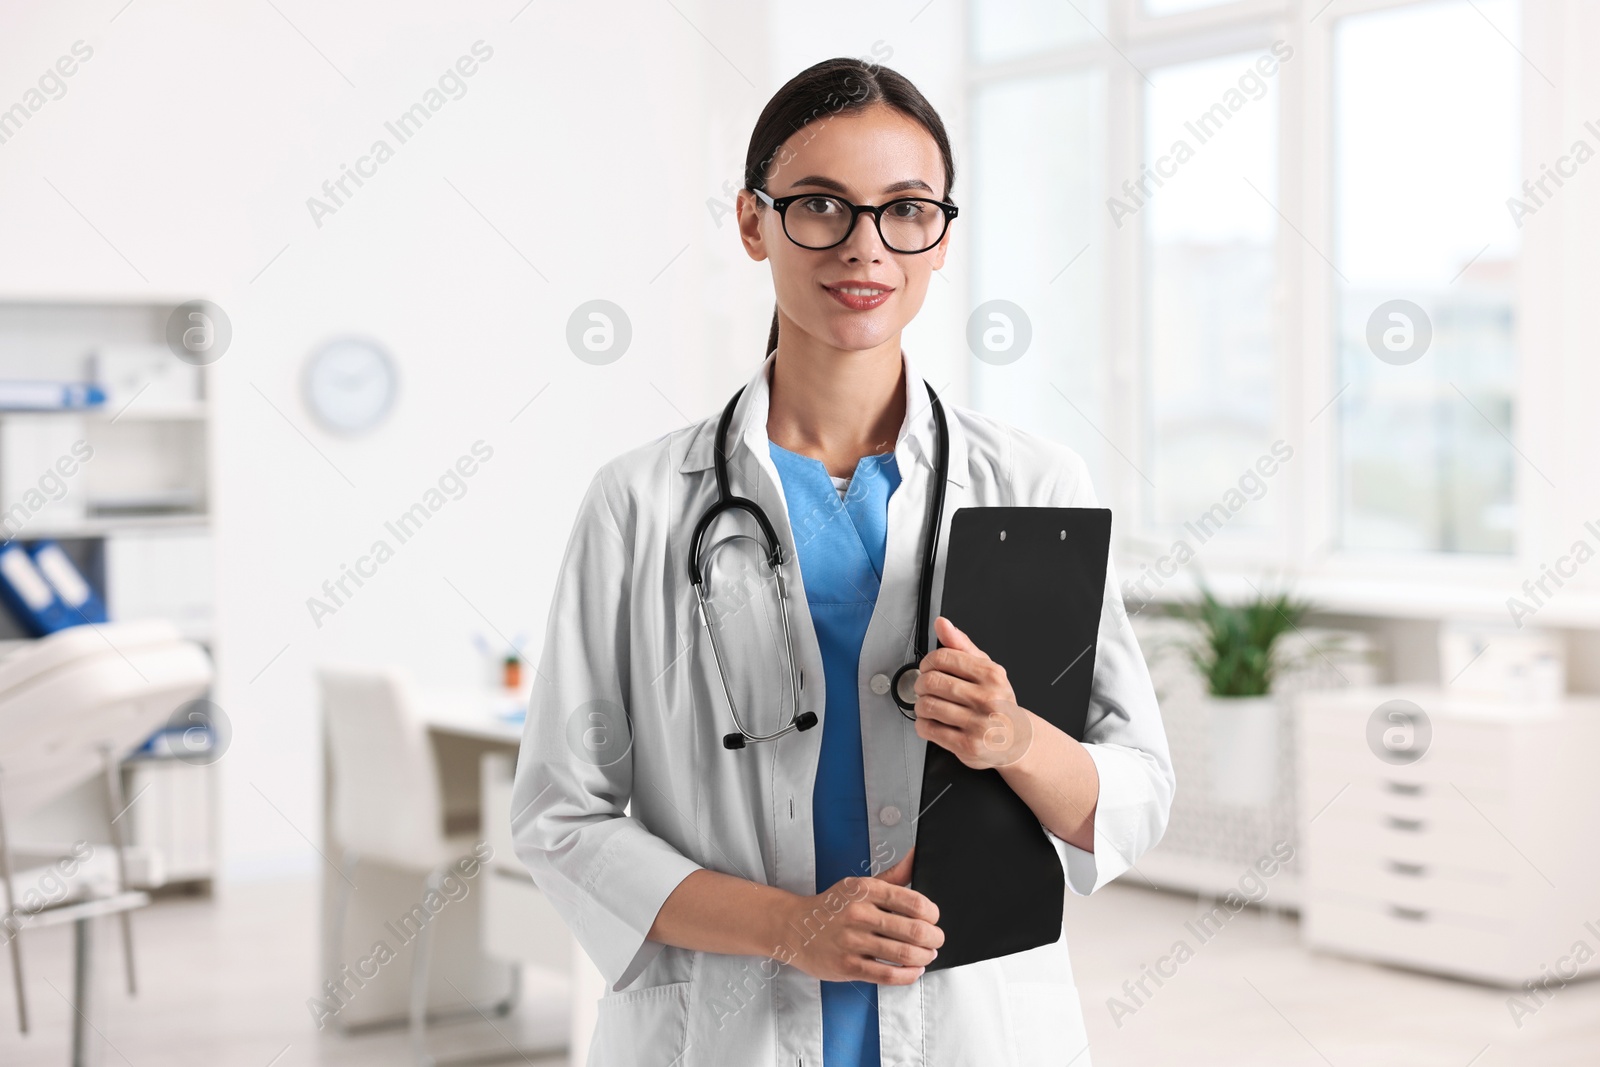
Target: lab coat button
x: 879, y: 683
x: 890, y: 815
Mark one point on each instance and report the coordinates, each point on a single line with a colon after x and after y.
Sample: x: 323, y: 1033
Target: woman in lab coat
x: 751, y: 906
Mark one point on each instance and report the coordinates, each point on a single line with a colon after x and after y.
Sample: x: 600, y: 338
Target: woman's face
x: 867, y: 157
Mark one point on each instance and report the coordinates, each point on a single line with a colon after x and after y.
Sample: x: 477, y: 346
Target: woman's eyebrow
x: 838, y: 187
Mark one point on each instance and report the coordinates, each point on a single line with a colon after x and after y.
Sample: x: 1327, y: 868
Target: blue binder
x: 31, y: 599
x: 72, y: 588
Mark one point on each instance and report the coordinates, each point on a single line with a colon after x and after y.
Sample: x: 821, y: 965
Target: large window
x: 1261, y: 229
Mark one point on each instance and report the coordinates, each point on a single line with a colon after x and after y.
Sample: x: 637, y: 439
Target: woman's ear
x: 750, y: 215
x: 937, y: 252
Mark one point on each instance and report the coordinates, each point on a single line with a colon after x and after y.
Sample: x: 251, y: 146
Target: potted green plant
x: 1235, y: 649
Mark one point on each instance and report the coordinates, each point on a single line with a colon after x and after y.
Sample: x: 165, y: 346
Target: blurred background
x: 316, y: 319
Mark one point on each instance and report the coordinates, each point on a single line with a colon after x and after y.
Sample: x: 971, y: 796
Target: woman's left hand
x: 966, y: 704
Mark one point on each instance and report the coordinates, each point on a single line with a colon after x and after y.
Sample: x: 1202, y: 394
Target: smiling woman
x: 746, y: 895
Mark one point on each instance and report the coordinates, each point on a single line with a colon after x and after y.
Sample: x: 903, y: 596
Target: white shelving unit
x: 135, y: 517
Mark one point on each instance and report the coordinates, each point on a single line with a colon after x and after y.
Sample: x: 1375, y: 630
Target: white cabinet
x: 1476, y: 859
x: 172, y: 812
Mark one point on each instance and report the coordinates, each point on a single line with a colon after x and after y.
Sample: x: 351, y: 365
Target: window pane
x: 1036, y: 163
x: 1209, y: 230
x: 1426, y: 154
x: 1003, y: 29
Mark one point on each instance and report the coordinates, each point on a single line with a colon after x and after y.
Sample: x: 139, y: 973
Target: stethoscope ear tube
x: 727, y: 502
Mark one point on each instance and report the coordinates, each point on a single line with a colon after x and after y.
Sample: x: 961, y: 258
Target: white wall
x: 191, y: 140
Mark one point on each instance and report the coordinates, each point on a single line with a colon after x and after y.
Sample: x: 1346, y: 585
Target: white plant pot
x: 1244, y: 750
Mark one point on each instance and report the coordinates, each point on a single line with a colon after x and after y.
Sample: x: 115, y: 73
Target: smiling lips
x: 859, y: 295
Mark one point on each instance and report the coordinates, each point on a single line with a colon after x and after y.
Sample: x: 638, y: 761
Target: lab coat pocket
x: 644, y: 1027
x: 1047, y: 1023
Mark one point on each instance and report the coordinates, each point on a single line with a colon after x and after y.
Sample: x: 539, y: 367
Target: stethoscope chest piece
x: 904, y: 687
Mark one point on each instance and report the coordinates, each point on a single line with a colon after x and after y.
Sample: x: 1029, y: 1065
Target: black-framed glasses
x: 906, y: 225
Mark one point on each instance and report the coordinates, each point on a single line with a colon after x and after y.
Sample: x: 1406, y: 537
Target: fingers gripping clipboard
x: 1027, y: 585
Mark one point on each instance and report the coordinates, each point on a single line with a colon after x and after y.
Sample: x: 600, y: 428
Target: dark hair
x: 833, y: 87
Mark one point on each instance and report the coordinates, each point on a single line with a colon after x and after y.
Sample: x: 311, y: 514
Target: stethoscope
x: 903, y: 685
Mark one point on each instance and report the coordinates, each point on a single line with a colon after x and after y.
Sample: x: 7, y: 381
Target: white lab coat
x: 623, y: 786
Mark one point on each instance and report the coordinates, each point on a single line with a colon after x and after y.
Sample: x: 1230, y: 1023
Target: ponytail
x: 772, y: 335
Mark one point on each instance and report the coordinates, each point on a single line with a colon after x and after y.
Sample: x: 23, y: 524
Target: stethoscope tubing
x: 726, y: 502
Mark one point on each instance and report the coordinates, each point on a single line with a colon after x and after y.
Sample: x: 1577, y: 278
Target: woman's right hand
x: 844, y: 932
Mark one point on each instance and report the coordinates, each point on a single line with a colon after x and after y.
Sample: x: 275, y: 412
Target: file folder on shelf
x: 30, y: 598
x: 49, y: 396
x: 71, y: 587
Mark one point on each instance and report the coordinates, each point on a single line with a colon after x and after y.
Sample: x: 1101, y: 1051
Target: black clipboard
x: 1027, y: 585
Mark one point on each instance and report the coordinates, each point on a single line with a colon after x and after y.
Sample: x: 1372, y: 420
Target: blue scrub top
x: 840, y: 543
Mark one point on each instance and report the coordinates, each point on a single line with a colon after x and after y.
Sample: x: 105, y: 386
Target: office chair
x: 387, y: 807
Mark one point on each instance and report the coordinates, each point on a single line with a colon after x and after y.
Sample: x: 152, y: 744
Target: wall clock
x: 350, y: 385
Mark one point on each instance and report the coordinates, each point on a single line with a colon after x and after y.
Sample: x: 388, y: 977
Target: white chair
x: 387, y: 807
x: 71, y: 704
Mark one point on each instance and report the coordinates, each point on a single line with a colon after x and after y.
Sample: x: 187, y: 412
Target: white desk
x: 517, y: 920
x: 479, y: 714
x: 475, y: 744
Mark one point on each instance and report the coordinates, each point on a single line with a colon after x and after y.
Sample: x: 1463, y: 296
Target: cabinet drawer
x: 1401, y: 786
x: 1456, y: 747
x: 1413, y: 937
x: 1423, y: 857
x: 1442, y: 888
x: 1485, y: 763
x: 1333, y: 847
x: 1405, y: 837
x: 1470, y: 816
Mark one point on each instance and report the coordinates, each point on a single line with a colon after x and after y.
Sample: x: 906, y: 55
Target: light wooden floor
x: 225, y: 980
x: 1253, y: 997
